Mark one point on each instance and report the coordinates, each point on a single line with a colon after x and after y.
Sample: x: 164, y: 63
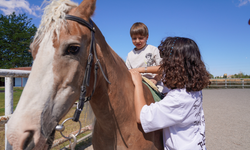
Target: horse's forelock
x: 53, y: 18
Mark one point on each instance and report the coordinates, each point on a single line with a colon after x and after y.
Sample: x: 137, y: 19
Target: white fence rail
x: 230, y: 83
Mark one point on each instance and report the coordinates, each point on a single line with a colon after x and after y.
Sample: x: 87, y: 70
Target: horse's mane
x: 53, y: 18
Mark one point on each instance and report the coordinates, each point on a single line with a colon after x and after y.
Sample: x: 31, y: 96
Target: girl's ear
x: 86, y: 8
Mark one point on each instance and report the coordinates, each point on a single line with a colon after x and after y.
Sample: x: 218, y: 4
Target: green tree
x: 211, y: 76
x: 240, y: 75
x: 16, y: 33
x: 225, y: 75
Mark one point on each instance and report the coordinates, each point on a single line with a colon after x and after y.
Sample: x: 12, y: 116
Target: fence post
x: 8, y: 105
x: 225, y: 83
x: 242, y: 80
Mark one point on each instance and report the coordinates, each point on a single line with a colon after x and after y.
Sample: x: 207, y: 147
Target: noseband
x: 92, y: 50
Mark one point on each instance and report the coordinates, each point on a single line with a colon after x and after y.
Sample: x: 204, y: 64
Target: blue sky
x: 220, y: 27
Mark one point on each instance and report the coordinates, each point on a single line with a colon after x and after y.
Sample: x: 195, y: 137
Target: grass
x: 17, y: 91
x: 87, y: 117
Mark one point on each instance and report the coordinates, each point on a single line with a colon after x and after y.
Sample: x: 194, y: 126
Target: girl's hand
x: 139, y: 99
x: 136, y: 77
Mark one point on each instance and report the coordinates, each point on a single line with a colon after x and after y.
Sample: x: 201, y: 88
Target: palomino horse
x: 61, y: 49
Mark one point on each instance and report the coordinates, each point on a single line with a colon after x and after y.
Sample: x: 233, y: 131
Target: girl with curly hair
x: 180, y: 113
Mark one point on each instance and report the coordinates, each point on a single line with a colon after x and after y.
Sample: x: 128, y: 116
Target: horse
x: 62, y: 46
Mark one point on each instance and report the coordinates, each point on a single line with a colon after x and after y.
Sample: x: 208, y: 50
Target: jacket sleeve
x: 170, y: 111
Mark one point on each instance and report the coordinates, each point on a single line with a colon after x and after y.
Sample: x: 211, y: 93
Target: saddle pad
x: 150, y: 83
x: 155, y: 92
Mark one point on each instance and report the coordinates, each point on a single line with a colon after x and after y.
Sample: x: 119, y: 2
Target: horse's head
x: 60, y: 50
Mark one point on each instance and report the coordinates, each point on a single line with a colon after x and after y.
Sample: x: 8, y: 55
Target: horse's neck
x: 113, y: 103
x: 121, y: 88
x: 116, y: 69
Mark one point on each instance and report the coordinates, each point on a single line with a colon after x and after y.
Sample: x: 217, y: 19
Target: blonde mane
x: 53, y: 18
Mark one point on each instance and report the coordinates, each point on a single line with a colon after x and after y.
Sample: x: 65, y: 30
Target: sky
x: 219, y: 27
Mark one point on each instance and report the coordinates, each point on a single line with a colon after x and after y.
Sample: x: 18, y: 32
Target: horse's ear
x: 86, y: 8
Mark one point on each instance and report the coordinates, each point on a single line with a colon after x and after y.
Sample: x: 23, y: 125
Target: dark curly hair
x: 182, y: 65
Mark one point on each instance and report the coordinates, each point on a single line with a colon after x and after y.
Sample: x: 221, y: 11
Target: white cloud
x: 243, y: 2
x: 9, y: 6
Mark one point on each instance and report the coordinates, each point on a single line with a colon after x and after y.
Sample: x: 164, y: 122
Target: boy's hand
x: 140, y: 69
x: 136, y: 77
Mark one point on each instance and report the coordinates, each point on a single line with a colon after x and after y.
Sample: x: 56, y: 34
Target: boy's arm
x: 151, y: 69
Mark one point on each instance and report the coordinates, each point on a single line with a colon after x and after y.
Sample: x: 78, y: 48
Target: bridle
x: 92, y: 52
x: 86, y: 79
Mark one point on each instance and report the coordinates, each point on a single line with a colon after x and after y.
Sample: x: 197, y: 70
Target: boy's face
x: 139, y: 41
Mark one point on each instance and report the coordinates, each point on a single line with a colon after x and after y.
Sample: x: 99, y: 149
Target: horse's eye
x: 73, y: 50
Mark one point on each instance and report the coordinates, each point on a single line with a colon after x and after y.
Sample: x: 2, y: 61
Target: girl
x: 180, y: 113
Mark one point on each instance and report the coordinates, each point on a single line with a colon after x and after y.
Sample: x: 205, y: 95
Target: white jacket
x: 180, y: 115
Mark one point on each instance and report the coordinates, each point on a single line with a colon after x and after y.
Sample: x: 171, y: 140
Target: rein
x: 92, y: 52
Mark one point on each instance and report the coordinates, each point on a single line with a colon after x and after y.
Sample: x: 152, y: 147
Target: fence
x: 9, y: 74
x: 230, y: 83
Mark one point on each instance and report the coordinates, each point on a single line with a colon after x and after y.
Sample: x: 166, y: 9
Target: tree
x: 211, y: 76
x: 225, y: 75
x: 16, y: 34
x: 240, y: 75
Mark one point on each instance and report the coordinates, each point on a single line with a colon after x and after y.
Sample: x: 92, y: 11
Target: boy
x: 143, y: 55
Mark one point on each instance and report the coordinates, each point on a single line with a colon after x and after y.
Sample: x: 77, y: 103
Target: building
x: 20, y: 82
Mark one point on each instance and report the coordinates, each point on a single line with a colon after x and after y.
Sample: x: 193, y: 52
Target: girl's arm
x: 139, y: 99
x: 151, y: 69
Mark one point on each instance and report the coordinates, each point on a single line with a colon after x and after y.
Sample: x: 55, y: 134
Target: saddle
x: 157, y: 95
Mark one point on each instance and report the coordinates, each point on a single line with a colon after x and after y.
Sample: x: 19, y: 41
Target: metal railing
x: 230, y: 83
x: 9, y: 75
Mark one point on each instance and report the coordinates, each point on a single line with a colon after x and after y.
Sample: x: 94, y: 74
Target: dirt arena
x: 227, y: 115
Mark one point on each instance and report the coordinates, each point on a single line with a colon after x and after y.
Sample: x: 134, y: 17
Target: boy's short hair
x: 139, y: 28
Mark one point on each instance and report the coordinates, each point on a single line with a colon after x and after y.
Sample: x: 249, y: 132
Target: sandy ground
x: 227, y: 115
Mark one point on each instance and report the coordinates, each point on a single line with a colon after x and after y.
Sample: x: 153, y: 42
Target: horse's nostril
x: 29, y: 142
